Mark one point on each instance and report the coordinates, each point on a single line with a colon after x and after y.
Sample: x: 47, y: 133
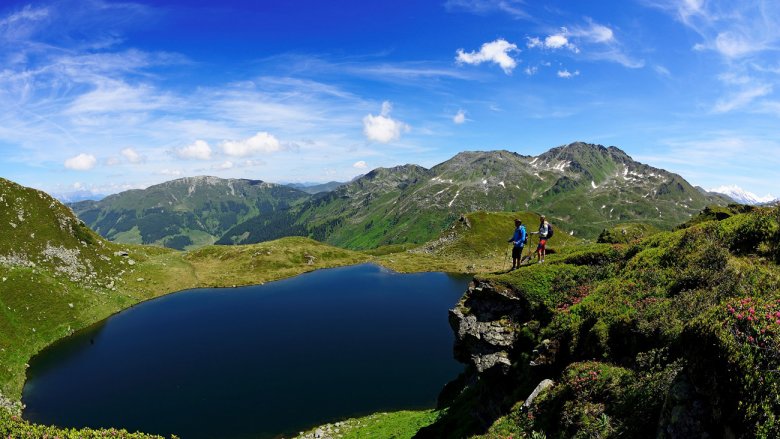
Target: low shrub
x: 736, y: 348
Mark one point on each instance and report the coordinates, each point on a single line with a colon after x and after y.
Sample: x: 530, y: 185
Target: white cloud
x: 553, y: 42
x: 132, y: 156
x: 459, y: 117
x: 81, y: 162
x: 531, y: 70
x: 360, y: 165
x: 383, y: 128
x: 567, y: 74
x: 742, y: 98
x: 224, y: 165
x: 495, y: 51
x: 556, y: 41
x: 262, y: 142
x: 199, y: 150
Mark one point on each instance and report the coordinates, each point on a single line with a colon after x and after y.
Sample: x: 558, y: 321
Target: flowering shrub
x: 756, y: 324
x: 580, y: 292
x: 13, y: 427
x: 737, y: 347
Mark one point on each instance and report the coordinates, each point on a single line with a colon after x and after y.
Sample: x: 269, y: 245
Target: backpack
x: 549, y: 231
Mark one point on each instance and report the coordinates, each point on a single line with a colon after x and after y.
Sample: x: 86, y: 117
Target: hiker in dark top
x: 544, y: 234
x: 518, y: 241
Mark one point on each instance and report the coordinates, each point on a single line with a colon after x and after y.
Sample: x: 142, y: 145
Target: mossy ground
x: 393, y: 425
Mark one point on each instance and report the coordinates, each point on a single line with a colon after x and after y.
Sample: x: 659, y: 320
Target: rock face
x: 486, y: 323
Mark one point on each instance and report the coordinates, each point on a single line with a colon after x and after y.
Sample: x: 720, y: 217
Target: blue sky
x: 103, y: 96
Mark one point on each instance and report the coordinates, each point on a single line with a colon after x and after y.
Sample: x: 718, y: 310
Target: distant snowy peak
x: 742, y: 196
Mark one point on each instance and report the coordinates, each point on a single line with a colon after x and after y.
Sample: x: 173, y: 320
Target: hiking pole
x: 530, y: 253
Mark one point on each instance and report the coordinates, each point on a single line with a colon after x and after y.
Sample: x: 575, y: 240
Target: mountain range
x: 742, y: 196
x: 583, y: 187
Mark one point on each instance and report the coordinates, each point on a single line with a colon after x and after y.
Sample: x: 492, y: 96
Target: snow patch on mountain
x: 742, y: 196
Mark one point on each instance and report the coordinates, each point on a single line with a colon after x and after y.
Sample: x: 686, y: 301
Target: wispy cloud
x: 744, y: 35
x: 661, y: 70
x: 742, y: 98
x: 717, y: 158
x: 590, y: 41
x: 734, y: 29
x: 515, y: 8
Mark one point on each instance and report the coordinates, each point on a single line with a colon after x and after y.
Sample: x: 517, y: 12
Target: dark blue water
x: 258, y: 361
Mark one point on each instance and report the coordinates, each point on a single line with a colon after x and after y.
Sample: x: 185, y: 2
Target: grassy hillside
x: 674, y: 335
x: 474, y: 243
x: 192, y: 212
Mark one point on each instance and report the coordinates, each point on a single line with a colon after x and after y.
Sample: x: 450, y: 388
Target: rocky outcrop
x: 486, y: 322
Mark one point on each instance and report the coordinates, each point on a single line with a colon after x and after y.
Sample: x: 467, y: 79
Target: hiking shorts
x: 517, y: 251
x: 542, y: 244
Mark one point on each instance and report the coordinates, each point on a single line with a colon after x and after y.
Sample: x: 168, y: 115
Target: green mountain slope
x: 581, y: 187
x: 54, y: 272
x: 191, y: 212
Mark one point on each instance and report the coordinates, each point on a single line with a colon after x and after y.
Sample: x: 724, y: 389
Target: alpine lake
x: 261, y: 361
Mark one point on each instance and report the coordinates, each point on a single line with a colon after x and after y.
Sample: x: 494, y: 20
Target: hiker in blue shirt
x: 518, y: 239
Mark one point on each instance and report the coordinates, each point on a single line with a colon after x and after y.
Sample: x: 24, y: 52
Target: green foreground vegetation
x: 673, y: 335
x: 679, y: 329
x: 397, y: 425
